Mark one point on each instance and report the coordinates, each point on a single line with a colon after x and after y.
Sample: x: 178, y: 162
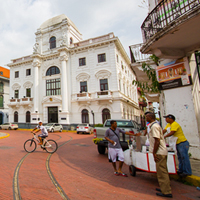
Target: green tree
x: 152, y: 85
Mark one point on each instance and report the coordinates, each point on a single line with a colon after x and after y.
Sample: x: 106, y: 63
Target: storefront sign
x: 174, y: 74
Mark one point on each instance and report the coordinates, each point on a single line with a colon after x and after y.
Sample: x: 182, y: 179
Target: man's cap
x: 148, y: 112
x: 170, y: 116
x: 40, y: 122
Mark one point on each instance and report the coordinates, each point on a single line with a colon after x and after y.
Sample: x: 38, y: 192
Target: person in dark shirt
x: 114, y: 147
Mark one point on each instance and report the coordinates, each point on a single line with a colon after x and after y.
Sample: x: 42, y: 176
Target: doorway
x: 52, y: 114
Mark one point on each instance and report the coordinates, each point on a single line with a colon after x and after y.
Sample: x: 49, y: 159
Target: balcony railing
x: 136, y: 55
x: 164, y: 14
x: 85, y: 94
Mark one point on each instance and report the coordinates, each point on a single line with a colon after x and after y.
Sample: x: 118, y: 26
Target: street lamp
x: 93, y: 117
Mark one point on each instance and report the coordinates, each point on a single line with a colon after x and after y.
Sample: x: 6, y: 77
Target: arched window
x: 28, y: 116
x: 15, y: 116
x: 53, y: 70
x: 85, y: 116
x: 105, y: 115
x: 1, y: 101
x: 52, y: 42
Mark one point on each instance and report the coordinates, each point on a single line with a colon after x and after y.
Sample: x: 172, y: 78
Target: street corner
x: 4, y: 135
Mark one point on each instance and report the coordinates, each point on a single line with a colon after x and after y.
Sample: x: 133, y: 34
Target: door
x: 52, y: 114
x: 1, y: 118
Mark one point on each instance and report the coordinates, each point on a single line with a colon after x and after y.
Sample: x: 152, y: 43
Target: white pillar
x: 64, y: 85
x: 36, y: 65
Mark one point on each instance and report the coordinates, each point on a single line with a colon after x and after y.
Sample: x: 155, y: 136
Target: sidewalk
x: 4, y: 135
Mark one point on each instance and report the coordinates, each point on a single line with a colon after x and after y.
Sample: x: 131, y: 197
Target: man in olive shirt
x: 182, y: 145
x: 159, y: 150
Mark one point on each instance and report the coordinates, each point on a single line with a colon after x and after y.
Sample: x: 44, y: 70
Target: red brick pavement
x: 78, y: 168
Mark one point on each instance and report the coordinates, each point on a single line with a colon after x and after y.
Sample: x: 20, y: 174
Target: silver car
x: 51, y: 127
x: 84, y: 128
x: 9, y: 126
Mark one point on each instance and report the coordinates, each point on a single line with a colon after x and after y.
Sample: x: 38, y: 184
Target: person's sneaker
x: 183, y: 175
x: 164, y: 195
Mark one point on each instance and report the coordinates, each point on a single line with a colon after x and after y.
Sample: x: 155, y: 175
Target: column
x: 36, y: 65
x: 64, y: 85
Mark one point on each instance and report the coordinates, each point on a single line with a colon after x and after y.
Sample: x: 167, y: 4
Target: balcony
x: 14, y: 102
x: 171, y: 29
x: 82, y: 97
x: 26, y: 101
x: 105, y: 95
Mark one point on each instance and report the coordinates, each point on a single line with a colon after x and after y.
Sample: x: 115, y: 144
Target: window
x: 83, y: 86
x: 122, y: 65
x: 28, y: 116
x: 1, y: 101
x: 28, y: 72
x: 52, y: 42
x: 53, y: 70
x: 85, y: 116
x: 105, y: 115
x: 101, y: 57
x: 1, y: 87
x: 53, y: 87
x: 16, y: 94
x: 197, y: 57
x: 15, y: 116
x: 71, y: 40
x: 117, y: 58
x: 82, y: 61
x: 17, y: 74
x: 103, y: 84
x: 28, y: 92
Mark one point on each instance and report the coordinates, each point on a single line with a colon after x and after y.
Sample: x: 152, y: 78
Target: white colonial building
x: 69, y: 80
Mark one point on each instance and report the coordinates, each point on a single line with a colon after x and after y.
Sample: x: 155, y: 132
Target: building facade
x: 69, y: 80
x: 4, y: 94
x: 170, y: 32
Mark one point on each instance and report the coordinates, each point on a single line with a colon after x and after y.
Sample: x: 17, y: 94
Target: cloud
x: 20, y: 20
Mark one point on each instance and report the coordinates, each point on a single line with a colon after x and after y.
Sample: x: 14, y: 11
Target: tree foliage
x: 152, y: 85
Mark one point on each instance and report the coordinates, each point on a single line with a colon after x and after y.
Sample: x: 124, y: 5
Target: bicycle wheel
x: 30, y: 145
x: 51, y: 146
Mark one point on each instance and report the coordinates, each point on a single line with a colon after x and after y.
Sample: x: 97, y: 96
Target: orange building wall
x: 6, y: 72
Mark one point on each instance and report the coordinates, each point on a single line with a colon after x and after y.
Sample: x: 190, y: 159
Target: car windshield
x: 82, y: 125
x: 50, y: 124
x: 121, y: 123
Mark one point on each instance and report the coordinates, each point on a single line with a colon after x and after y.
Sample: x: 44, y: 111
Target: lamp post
x: 93, y: 117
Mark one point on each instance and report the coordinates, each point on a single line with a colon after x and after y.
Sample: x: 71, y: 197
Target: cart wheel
x: 132, y: 170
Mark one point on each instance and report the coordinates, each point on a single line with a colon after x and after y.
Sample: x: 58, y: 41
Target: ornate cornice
x: 16, y: 86
x: 36, y: 63
x: 28, y: 84
x: 82, y: 77
x: 103, y: 74
x: 64, y: 57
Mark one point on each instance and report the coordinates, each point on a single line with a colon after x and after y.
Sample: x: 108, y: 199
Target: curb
x: 1, y: 137
x: 193, y: 180
x: 21, y: 129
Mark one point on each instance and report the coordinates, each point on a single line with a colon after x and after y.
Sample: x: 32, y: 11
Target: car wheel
x: 0, y: 128
x: 77, y: 132
x: 9, y: 128
x: 61, y: 130
x: 15, y: 128
x: 52, y: 130
x: 132, y: 170
x: 101, y: 149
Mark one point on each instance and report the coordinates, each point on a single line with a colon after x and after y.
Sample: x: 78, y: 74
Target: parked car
x: 84, y: 128
x: 51, y: 127
x: 124, y: 124
x: 9, y: 126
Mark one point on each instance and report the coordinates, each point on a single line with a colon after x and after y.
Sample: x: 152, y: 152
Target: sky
x: 20, y: 19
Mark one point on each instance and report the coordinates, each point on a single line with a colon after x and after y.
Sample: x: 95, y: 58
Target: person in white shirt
x: 44, y: 131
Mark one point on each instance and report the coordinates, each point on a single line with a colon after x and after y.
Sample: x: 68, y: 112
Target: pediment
x: 103, y: 74
x: 16, y: 86
x: 82, y: 77
x: 51, y: 99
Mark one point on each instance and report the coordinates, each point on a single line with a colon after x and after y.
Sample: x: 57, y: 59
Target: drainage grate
x: 82, y: 145
x: 6, y: 147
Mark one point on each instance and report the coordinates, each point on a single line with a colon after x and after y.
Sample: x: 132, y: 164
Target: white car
x: 84, y: 128
x: 9, y: 126
x: 51, y: 127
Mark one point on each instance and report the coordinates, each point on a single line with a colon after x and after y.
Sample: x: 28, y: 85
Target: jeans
x: 183, y: 158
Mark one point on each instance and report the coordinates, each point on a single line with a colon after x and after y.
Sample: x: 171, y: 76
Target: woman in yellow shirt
x: 182, y: 145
